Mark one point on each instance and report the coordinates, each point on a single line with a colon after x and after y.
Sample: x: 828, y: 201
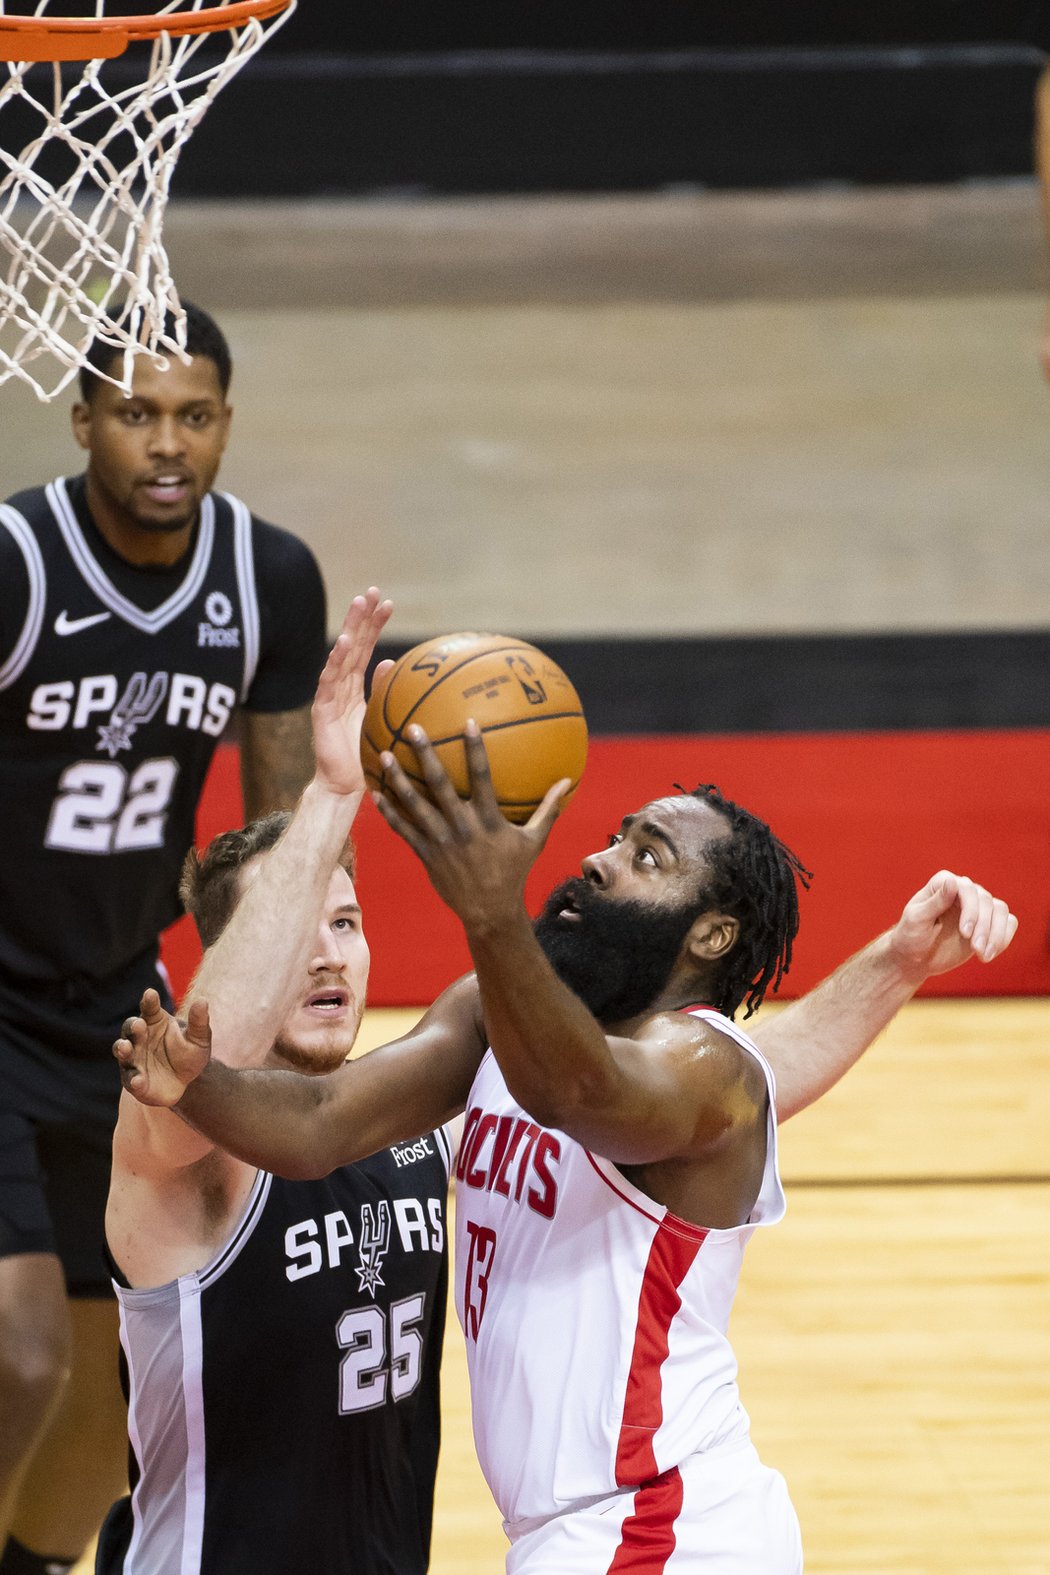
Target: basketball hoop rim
x: 42, y: 38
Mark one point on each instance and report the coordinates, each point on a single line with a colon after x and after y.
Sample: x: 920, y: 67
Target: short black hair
x: 754, y: 877
x: 204, y: 337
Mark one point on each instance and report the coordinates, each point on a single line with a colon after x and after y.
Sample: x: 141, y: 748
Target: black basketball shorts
x: 57, y: 1113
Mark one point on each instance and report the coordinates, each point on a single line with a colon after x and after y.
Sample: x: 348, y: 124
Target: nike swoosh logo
x: 64, y: 624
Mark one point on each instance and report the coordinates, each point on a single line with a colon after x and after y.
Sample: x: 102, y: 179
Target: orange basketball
x: 528, y: 711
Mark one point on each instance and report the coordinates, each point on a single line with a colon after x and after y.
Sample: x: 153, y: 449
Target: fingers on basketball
x: 526, y: 708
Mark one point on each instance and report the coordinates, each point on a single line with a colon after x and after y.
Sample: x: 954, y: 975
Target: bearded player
x: 619, y: 1148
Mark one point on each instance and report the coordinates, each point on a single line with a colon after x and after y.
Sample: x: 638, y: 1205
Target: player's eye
x: 615, y: 838
x: 133, y: 415
x: 646, y: 855
x: 198, y: 419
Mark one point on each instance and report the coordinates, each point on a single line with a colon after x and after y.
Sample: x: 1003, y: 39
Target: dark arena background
x: 487, y: 96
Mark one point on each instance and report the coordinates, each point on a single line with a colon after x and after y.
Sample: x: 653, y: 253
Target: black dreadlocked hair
x: 754, y: 878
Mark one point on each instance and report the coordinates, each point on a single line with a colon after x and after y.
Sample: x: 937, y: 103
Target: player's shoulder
x: 683, y: 1022
x: 30, y: 502
x: 22, y: 543
x: 699, y: 1031
x: 276, y: 550
x: 459, y: 1007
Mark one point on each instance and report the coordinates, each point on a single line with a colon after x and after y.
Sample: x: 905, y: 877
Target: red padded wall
x: 872, y: 814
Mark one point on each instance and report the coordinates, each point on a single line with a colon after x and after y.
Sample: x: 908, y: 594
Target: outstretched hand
x: 476, y: 859
x: 339, y: 704
x: 160, y: 1056
x: 946, y: 923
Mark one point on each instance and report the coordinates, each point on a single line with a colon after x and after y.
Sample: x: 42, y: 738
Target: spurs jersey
x: 595, y: 1320
x: 110, y: 712
x: 283, y: 1402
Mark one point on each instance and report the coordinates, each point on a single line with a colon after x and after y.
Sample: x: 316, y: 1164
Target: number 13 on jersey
x: 481, y: 1253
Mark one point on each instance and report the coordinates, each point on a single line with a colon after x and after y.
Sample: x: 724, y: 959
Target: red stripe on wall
x: 670, y: 1258
x: 874, y: 815
x: 647, y: 1538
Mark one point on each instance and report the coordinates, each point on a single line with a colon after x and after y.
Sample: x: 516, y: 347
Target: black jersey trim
x: 244, y: 564
x: 25, y: 645
x: 242, y: 1232
x: 445, y: 1148
x: 96, y: 577
x: 135, y: 1296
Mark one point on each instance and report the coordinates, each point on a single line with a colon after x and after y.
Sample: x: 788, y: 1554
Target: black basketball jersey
x: 284, y: 1401
x: 109, y: 717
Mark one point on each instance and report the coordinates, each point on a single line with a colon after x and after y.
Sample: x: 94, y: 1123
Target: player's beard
x: 617, y: 954
x: 313, y: 1059
x: 316, y: 1049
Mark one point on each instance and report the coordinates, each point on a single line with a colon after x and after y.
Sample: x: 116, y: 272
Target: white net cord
x: 82, y: 203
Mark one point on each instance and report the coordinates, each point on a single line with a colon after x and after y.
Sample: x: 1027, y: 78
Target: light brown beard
x: 314, y: 1063
x: 325, y: 1058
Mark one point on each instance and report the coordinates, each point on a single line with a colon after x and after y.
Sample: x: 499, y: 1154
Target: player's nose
x: 596, y: 868
x: 166, y: 436
x: 327, y: 956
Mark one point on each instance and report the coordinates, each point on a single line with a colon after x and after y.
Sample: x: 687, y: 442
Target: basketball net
x: 82, y: 202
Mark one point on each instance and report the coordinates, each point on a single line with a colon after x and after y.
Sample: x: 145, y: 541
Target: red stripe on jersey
x: 671, y: 1256
x: 647, y: 1537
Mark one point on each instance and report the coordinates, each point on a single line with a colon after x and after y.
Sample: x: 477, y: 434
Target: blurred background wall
x: 695, y: 340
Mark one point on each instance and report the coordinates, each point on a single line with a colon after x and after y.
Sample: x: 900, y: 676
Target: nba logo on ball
x: 528, y: 711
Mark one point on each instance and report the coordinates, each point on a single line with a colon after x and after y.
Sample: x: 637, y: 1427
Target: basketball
x: 528, y: 711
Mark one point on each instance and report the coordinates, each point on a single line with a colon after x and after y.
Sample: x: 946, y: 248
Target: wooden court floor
x: 894, y: 1332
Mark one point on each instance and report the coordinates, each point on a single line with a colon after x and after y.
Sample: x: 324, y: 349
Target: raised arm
x: 677, y: 1099
x: 812, y: 1042
x: 306, y: 1126
x: 251, y: 975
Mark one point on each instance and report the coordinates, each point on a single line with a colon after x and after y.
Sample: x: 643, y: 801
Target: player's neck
x: 678, y: 995
x: 157, y: 549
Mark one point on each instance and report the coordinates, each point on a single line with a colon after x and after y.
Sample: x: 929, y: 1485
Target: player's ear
x: 712, y: 936
x: 81, y: 422
x: 227, y: 417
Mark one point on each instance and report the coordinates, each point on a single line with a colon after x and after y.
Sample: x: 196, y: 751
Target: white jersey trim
x: 135, y: 1437
x: 446, y: 1142
x: 193, y: 1411
x: 250, y: 1217
x: 767, y: 1210
x: 102, y: 585
x: 628, y: 1193
x: 189, y: 1513
x: 245, y: 566
x: 29, y: 547
x: 216, y: 1265
x: 771, y: 1205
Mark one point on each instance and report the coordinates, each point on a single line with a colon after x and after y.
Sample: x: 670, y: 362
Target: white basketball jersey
x: 595, y: 1319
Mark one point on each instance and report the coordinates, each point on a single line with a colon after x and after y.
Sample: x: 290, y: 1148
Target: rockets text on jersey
x: 512, y: 1156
